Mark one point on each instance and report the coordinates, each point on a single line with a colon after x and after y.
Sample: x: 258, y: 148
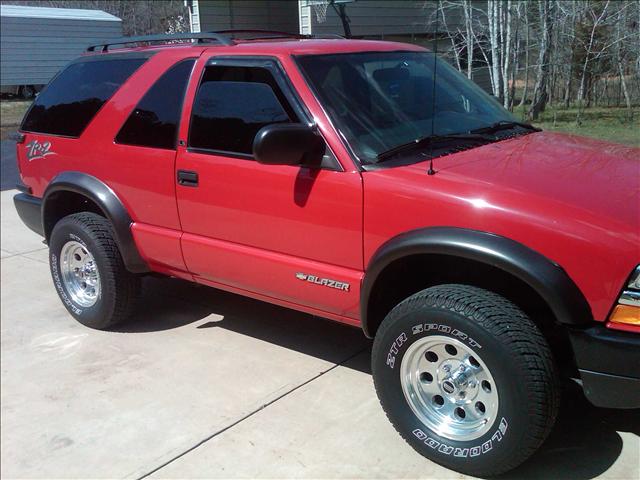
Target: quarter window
x: 232, y: 104
x: 74, y: 97
x: 154, y: 122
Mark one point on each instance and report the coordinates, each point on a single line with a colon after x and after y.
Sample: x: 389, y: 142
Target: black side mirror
x: 288, y: 144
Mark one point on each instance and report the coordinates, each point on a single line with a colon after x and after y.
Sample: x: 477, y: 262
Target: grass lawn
x: 610, y: 124
x: 11, y: 113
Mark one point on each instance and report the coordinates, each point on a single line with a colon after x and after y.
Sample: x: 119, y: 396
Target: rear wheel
x: 466, y: 378
x: 88, y: 271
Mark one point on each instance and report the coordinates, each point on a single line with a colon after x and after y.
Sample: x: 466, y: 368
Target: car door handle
x: 187, y: 178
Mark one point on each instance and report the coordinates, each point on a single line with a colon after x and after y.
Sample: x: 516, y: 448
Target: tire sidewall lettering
x: 56, y: 274
x: 486, y: 444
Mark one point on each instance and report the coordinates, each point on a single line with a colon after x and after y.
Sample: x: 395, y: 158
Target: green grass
x: 12, y: 111
x: 610, y: 124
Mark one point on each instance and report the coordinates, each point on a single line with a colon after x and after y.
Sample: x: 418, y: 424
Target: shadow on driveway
x: 8, y: 166
x: 584, y: 443
x: 171, y: 303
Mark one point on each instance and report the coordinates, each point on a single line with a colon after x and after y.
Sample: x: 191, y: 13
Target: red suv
x: 365, y: 182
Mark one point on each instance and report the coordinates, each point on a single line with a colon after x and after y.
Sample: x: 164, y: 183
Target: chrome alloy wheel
x: 449, y: 388
x: 79, y: 273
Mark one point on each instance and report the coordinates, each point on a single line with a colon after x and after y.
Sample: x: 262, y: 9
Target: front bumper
x: 609, y: 366
x: 30, y: 211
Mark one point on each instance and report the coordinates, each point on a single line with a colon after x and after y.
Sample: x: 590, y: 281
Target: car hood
x: 574, y: 200
x: 598, y: 178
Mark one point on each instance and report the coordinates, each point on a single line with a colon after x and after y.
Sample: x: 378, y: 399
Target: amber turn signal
x: 626, y: 314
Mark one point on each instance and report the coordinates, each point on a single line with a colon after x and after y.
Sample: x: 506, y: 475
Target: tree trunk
x: 468, y: 17
x: 496, y: 79
x: 523, y: 100
x: 505, y: 21
x: 625, y: 91
x: 542, y: 76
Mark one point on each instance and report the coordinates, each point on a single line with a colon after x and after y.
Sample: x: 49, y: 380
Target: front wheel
x: 466, y: 378
x: 88, y: 271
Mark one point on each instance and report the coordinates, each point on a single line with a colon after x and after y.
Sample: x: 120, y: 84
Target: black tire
x: 514, y: 351
x: 118, y: 287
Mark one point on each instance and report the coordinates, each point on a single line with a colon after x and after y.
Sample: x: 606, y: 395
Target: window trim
x: 86, y: 59
x: 179, y: 119
x: 273, y: 65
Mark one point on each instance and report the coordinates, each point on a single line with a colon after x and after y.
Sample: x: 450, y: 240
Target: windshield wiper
x: 505, y: 125
x: 431, y: 139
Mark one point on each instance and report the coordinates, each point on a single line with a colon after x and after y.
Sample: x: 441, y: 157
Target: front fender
x: 546, y: 277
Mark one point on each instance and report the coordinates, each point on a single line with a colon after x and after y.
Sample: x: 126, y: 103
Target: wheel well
x: 62, y: 203
x: 411, y: 274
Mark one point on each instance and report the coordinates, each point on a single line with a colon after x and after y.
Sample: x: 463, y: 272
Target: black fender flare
x: 112, y: 207
x: 546, y: 277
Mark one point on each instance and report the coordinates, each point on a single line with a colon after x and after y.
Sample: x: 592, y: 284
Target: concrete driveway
x: 203, y: 383
x: 8, y: 167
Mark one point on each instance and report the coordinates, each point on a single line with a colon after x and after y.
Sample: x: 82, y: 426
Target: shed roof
x: 59, y: 13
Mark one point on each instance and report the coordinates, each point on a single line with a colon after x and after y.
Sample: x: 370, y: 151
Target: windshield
x: 380, y: 100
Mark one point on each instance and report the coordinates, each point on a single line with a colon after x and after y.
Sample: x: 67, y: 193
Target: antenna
x: 431, y: 171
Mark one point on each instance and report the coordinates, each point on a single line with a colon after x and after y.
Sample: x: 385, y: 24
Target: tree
x: 540, y: 93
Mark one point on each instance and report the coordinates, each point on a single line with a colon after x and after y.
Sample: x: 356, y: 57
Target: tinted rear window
x: 154, y: 122
x: 74, y: 97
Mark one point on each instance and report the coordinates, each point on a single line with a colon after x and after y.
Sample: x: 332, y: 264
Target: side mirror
x: 288, y: 144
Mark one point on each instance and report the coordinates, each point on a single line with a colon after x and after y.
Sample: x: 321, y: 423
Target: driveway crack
x: 252, y: 413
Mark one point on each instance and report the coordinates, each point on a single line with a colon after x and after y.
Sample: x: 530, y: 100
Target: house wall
x: 194, y: 15
x: 411, y: 21
x: 34, y: 49
x: 375, y: 18
x: 248, y: 14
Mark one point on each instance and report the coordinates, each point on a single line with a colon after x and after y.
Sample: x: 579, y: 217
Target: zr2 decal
x: 36, y: 150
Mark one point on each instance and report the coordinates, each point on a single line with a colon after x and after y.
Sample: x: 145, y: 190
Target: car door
x: 288, y: 234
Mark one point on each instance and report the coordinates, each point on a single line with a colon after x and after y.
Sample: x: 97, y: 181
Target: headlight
x: 627, y: 311
x: 634, y: 281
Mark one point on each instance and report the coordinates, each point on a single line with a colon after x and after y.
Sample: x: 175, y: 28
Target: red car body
x: 569, y: 198
x: 258, y: 229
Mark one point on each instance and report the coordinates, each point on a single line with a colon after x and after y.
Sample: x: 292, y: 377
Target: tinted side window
x: 74, y: 97
x: 232, y: 104
x: 154, y: 122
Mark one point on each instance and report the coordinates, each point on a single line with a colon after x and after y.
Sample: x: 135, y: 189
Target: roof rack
x: 224, y: 37
x: 200, y: 37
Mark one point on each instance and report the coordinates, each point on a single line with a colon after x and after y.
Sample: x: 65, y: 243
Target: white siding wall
x: 375, y: 17
x: 304, y: 19
x: 397, y: 20
x: 194, y: 17
x: 34, y: 49
x: 249, y: 14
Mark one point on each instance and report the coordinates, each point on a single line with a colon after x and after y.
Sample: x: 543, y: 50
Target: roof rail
x: 200, y: 37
